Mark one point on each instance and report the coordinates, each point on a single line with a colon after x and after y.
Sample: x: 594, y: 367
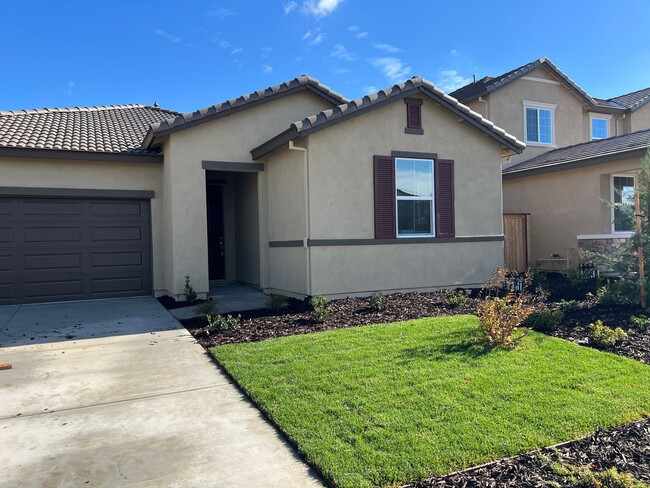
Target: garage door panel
x: 72, y: 249
x: 118, y: 259
x: 39, y: 262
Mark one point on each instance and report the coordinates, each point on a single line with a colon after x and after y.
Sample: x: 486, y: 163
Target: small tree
x: 626, y: 261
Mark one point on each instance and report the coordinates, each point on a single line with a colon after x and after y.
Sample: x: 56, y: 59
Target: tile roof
x: 401, y: 90
x: 489, y: 84
x: 586, y: 150
x: 111, y: 129
x: 183, y: 121
x: 633, y: 100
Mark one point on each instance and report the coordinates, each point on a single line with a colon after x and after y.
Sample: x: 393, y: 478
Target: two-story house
x: 582, y: 151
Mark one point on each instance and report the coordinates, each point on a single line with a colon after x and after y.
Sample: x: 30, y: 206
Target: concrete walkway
x: 129, y: 400
x: 230, y: 298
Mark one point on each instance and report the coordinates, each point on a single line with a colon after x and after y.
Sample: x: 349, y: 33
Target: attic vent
x: 413, y: 116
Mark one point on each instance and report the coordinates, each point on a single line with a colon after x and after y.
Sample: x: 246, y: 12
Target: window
x: 414, y: 197
x: 623, y: 199
x: 599, y: 128
x: 538, y: 123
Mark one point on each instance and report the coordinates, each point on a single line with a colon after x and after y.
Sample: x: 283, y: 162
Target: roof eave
x: 70, y: 155
x: 275, y: 143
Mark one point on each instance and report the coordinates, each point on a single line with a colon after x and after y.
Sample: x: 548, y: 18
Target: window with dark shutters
x: 413, y: 116
x: 384, y: 171
x: 444, y: 184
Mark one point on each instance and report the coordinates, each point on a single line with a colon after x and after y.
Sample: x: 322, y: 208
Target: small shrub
x: 585, y: 477
x: 378, y: 302
x: 219, y: 323
x: 500, y: 318
x: 619, y: 292
x: 605, y: 337
x: 209, y: 307
x: 455, y: 298
x: 190, y: 294
x: 539, y: 278
x: 321, y: 308
x: 641, y: 322
x: 568, y: 306
x: 276, y: 302
x: 575, y: 276
x: 545, y: 320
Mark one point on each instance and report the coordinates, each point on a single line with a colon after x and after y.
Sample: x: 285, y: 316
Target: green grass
x: 393, y: 403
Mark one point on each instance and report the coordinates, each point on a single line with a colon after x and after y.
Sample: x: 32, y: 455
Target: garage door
x: 54, y: 249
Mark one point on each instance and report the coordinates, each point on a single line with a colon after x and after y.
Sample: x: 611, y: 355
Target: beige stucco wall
x: 226, y: 139
x: 564, y: 205
x: 341, y: 206
x: 40, y: 173
x: 640, y: 119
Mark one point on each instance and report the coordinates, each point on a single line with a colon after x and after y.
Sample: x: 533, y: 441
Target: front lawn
x: 393, y: 403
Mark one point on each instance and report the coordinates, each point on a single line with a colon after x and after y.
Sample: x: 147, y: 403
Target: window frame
x: 612, y: 195
x: 537, y: 106
x: 607, y: 120
x: 431, y: 199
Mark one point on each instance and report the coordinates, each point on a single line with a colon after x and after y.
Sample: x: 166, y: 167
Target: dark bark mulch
x: 627, y: 448
x: 170, y: 303
x: 575, y: 328
x: 259, y: 325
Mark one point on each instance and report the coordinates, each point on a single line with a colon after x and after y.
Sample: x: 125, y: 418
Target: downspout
x: 487, y: 107
x: 305, y: 241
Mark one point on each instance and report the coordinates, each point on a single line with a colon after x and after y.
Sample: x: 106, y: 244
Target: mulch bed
x: 627, y: 448
x: 259, y: 325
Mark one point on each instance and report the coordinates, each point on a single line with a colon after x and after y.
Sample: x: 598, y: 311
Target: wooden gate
x: 516, y: 229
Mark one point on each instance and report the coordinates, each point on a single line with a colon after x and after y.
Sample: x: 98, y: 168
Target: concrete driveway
x: 117, y: 393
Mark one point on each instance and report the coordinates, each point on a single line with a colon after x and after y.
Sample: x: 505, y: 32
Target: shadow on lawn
x: 467, y: 350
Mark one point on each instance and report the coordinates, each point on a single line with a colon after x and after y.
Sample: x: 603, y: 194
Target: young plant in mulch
x: 190, y: 293
x: 320, y: 308
x: 506, y: 305
x: 219, y: 323
x: 604, y: 337
x: 276, y: 302
x: 378, y: 302
x: 209, y: 307
x: 455, y: 298
x: 544, y: 320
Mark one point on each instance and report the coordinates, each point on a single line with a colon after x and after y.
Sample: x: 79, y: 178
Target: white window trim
x: 611, y: 196
x: 537, y: 105
x: 431, y: 198
x: 607, y: 118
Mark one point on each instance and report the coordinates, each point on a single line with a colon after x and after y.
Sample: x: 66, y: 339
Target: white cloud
x: 224, y: 44
x: 266, y: 69
x: 450, y: 80
x: 340, y: 52
x: 264, y: 51
x: 370, y: 89
x: 167, y: 35
x: 342, y: 71
x: 388, y: 48
x: 453, y: 52
x: 320, y: 8
x: 307, y: 35
x: 361, y: 35
x: 393, y: 68
x: 289, y: 7
x: 353, y: 28
x: 318, y: 39
x: 69, y: 87
x: 221, y: 12
x: 236, y: 50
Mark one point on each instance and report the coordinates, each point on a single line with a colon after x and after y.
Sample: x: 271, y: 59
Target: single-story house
x: 293, y: 189
x: 566, y: 194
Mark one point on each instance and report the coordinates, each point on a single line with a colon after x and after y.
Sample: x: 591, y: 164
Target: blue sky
x: 192, y: 54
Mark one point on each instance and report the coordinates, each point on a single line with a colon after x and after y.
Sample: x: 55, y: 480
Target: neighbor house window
x: 599, y: 128
x: 414, y: 197
x: 623, y: 199
x: 538, y: 122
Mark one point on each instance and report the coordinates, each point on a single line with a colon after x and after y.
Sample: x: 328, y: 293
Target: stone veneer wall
x: 605, y: 246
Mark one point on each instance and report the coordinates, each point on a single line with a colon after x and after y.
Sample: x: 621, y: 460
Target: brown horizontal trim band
x: 411, y: 130
x: 413, y: 154
x: 410, y: 240
x: 413, y: 101
x: 297, y: 243
x: 17, y: 191
x: 19, y: 152
x: 232, y: 166
x: 582, y: 163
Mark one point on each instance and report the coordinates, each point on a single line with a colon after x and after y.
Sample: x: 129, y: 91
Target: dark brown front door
x: 216, y: 245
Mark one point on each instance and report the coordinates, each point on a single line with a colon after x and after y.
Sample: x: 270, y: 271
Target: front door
x: 216, y: 245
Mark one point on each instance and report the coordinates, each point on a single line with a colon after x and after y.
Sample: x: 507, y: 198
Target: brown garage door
x: 54, y: 249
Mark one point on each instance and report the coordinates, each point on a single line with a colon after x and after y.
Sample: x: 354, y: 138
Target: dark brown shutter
x: 413, y: 116
x: 445, y: 212
x: 384, y: 169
